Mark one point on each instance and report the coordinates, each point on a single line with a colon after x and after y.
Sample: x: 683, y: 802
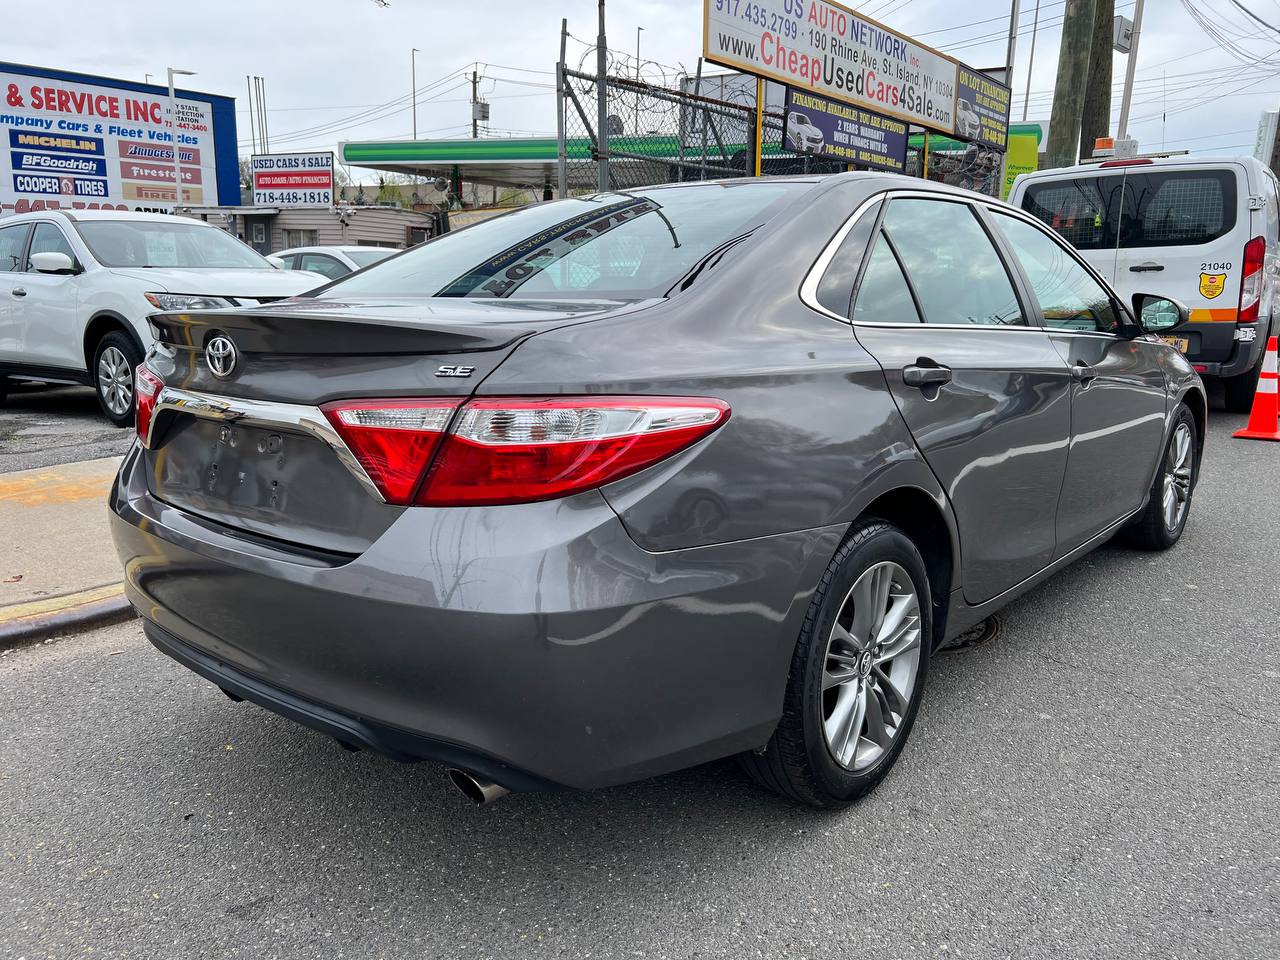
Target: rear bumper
x: 531, y: 644
x: 1215, y: 350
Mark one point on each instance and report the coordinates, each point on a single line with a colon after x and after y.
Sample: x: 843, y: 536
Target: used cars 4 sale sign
x: 73, y: 141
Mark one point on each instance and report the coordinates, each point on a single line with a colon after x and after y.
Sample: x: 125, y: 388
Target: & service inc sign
x: 74, y: 141
x: 828, y: 49
x: 292, y: 179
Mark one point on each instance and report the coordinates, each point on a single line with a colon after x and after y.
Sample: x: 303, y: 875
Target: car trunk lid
x: 251, y: 450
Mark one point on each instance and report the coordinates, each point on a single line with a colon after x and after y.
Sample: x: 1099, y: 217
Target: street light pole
x: 1129, y: 68
x: 173, y: 136
x: 413, y: 82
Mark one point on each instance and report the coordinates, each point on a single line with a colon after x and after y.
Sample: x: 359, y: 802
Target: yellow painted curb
x: 47, y: 605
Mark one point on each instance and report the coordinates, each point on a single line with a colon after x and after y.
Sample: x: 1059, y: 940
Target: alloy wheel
x: 1176, y: 488
x: 869, y: 674
x: 115, y: 381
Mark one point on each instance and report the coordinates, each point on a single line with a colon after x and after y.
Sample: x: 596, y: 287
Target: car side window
x: 883, y: 295
x: 12, y: 240
x: 49, y: 239
x: 958, y: 276
x: 323, y: 264
x: 835, y: 289
x: 1069, y: 296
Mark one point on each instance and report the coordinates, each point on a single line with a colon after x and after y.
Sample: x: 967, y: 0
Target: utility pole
x: 253, y: 133
x: 1068, y: 91
x: 475, y: 99
x: 1095, y: 121
x: 1127, y: 96
x: 173, y: 126
x: 413, y: 84
x: 602, y: 106
x: 1035, y: 26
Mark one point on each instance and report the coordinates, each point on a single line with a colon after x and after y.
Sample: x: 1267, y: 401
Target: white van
x: 1203, y: 231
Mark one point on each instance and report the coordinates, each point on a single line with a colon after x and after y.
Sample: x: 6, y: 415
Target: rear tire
x: 4, y: 389
x: 1238, y: 391
x: 114, y: 361
x: 1161, y: 524
x: 857, y: 673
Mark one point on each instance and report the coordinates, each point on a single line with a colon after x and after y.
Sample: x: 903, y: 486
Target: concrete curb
x: 36, y: 620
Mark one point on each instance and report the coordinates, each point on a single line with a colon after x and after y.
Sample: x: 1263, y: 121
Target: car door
x: 985, y: 394
x: 47, y: 318
x: 323, y: 264
x: 1118, y: 390
x: 13, y: 243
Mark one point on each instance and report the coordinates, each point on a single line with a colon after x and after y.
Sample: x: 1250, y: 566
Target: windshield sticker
x: 505, y: 273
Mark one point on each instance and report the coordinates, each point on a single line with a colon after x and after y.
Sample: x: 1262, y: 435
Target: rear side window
x: 1177, y: 208
x: 957, y: 275
x: 883, y: 294
x: 1082, y: 210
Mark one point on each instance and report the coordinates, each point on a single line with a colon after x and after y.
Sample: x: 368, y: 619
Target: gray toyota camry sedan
x: 618, y: 484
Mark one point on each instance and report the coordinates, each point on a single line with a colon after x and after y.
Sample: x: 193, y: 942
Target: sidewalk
x: 58, y: 568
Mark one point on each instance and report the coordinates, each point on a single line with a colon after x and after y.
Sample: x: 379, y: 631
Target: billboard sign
x: 840, y: 131
x: 982, y: 109
x: 826, y: 48
x: 81, y: 142
x: 1265, y: 144
x: 292, y: 179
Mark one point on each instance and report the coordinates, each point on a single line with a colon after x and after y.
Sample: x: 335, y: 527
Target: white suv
x: 76, y: 288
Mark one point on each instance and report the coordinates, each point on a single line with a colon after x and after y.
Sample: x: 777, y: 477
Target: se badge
x: 1212, y: 284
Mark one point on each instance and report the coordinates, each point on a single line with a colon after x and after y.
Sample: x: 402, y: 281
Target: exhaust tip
x: 478, y: 791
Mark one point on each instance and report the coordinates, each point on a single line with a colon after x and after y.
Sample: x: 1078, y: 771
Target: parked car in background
x: 1205, y: 231
x: 619, y: 484
x: 76, y: 288
x: 331, y: 262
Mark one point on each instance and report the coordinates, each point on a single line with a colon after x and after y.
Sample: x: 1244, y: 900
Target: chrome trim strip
x: 809, y: 286
x: 260, y: 413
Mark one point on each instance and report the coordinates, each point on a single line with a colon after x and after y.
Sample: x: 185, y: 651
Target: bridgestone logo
x: 157, y: 153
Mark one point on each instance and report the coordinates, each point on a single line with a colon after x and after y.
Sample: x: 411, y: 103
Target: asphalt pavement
x: 42, y: 426
x: 1100, y: 780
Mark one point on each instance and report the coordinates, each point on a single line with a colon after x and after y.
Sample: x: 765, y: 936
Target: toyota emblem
x: 220, y: 354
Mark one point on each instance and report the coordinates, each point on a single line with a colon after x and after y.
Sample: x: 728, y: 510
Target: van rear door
x: 1182, y: 233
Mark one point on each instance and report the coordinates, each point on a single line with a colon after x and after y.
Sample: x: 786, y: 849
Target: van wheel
x: 857, y: 673
x: 4, y: 389
x: 114, y: 361
x: 1161, y: 524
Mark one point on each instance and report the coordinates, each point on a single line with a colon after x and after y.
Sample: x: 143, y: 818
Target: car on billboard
x: 558, y: 501
x: 802, y: 135
x: 968, y: 122
x: 76, y: 288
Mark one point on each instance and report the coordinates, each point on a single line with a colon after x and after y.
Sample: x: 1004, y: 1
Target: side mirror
x: 1156, y: 313
x: 52, y: 262
x: 277, y: 263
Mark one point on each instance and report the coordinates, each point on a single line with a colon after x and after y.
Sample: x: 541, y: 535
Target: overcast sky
x: 346, y: 63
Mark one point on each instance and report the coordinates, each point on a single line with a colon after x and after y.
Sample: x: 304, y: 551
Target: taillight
x: 146, y: 387
x: 393, y: 439
x: 517, y: 450
x: 1255, y: 252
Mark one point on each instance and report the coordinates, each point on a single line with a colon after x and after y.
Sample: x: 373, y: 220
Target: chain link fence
x: 656, y: 134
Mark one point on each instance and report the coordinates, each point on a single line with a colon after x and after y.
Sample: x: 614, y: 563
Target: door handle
x: 1146, y: 267
x: 18, y: 292
x: 1083, y: 372
x: 916, y: 375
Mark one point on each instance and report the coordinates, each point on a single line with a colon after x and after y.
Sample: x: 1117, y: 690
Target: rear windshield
x: 611, y: 245
x: 1137, y: 209
x: 362, y: 258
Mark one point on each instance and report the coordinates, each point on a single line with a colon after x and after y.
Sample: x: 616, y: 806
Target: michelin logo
x: 51, y: 163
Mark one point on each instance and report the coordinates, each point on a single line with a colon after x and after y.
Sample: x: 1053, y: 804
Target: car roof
x: 324, y: 248
x: 88, y: 215
x: 1119, y: 164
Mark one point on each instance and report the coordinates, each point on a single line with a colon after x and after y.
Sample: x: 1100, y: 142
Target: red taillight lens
x: 146, y: 387
x: 518, y: 450
x: 393, y: 439
x: 1255, y: 252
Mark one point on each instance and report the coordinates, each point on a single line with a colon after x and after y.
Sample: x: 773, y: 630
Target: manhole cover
x: 976, y: 636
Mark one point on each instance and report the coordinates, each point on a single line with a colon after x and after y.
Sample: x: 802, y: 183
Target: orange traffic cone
x: 1264, y: 418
